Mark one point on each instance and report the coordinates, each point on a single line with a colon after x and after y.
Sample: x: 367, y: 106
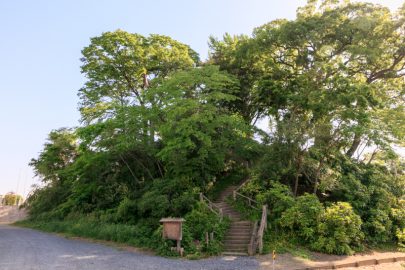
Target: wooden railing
x: 252, y: 244
x: 252, y: 203
x: 259, y: 227
x: 215, y: 209
x: 262, y: 228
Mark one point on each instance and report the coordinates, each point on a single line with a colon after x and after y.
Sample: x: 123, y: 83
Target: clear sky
x: 40, y: 44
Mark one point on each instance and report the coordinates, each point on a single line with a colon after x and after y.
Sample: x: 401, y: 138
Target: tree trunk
x: 355, y: 144
x: 372, y: 156
x: 297, y: 175
x: 318, y: 175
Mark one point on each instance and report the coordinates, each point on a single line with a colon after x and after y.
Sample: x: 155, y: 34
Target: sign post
x: 173, y: 229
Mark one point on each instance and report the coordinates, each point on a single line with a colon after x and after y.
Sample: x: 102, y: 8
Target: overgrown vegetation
x: 159, y: 126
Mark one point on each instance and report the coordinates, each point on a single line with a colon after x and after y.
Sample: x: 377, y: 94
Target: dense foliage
x: 11, y: 199
x: 159, y: 126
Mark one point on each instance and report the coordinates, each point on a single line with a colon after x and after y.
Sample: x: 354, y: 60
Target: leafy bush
x: 336, y: 229
x: 339, y: 231
x: 201, y: 221
x: 167, y: 197
x: 278, y: 198
x: 126, y: 210
x: 375, y: 195
x: 401, y: 237
x: 303, y: 217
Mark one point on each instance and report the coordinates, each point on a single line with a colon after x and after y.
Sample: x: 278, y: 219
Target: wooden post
x: 234, y: 195
x: 212, y: 236
x: 201, y: 197
x: 206, y: 238
x: 261, y: 245
x: 178, y: 247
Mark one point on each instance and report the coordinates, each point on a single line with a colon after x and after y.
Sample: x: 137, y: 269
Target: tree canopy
x: 158, y: 126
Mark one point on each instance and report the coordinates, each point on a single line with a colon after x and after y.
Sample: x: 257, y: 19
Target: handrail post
x: 234, y: 195
x: 252, y: 243
x: 221, y: 214
x: 201, y: 197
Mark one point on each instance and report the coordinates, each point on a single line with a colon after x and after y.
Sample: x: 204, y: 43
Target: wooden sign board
x: 172, y: 228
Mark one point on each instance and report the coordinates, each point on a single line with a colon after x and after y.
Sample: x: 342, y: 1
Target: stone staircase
x: 238, y: 236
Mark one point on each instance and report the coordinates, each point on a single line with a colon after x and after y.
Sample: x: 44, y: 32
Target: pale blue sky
x: 40, y: 48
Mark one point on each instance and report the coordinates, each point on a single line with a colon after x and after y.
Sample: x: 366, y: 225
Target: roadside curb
x: 368, y: 262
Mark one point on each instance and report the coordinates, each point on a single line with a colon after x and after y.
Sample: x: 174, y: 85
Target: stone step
x: 233, y: 246
x: 239, y: 232
x: 232, y: 214
x: 233, y: 218
x: 230, y: 211
x: 240, y: 226
x: 245, y: 227
x: 226, y: 208
x: 235, y: 249
x: 240, y: 237
x: 230, y: 253
x: 240, y: 229
x: 222, y: 203
x: 241, y: 223
x: 230, y: 242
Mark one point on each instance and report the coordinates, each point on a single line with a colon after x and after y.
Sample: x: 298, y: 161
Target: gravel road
x: 26, y: 249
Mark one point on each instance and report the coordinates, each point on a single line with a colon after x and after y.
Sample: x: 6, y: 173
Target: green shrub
x: 137, y: 235
x: 278, y: 198
x: 160, y: 245
x: 126, y: 210
x: 375, y: 194
x: 199, y: 222
x: 302, y: 219
x: 339, y: 231
x: 335, y: 230
x: 401, y: 237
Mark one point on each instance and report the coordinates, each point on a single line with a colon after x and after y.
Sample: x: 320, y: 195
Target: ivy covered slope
x: 159, y: 126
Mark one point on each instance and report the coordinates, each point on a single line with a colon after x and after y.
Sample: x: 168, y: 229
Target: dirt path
x: 287, y: 261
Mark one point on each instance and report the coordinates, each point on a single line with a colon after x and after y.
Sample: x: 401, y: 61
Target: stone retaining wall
x: 368, y: 262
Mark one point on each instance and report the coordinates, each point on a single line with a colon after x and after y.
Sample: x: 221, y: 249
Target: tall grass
x: 134, y: 235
